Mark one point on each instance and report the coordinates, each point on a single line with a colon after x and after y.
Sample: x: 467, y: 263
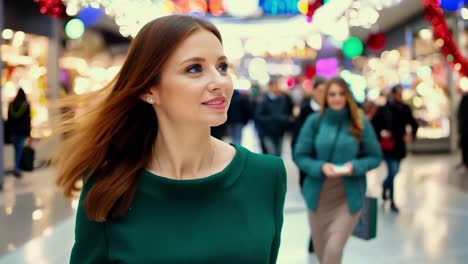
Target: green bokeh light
x: 450, y: 58
x: 353, y: 47
x: 74, y: 28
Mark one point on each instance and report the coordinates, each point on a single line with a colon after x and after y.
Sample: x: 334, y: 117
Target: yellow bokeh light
x: 303, y: 7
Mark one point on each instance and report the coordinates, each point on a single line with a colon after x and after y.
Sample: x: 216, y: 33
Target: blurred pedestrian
x: 238, y: 116
x: 19, y: 125
x: 336, y: 148
x: 463, y: 128
x: 157, y: 187
x: 272, y: 119
x: 312, y: 103
x: 390, y: 124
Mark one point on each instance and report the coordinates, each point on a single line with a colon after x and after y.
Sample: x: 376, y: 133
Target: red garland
x: 53, y: 8
x: 435, y: 15
x: 376, y: 41
x: 312, y: 7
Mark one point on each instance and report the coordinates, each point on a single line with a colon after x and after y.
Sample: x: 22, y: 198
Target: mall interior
x: 56, y: 48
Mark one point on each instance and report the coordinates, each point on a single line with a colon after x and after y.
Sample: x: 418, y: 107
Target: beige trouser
x: 332, y: 223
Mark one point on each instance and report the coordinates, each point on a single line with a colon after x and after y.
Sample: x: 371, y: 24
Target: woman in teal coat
x: 336, y: 148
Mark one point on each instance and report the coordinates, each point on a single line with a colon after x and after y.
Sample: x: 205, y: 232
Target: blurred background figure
x: 239, y: 114
x: 463, y: 128
x: 311, y: 103
x: 390, y: 123
x: 272, y: 119
x: 336, y: 148
x: 19, y: 126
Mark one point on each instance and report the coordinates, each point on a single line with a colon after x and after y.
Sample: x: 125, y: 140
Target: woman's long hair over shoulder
x: 112, y: 140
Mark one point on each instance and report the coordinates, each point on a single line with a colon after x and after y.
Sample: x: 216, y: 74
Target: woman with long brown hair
x: 336, y: 148
x: 157, y: 187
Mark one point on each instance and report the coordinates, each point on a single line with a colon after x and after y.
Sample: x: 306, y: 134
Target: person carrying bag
x: 336, y: 148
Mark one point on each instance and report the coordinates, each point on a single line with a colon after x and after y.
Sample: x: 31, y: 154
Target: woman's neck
x: 183, y: 153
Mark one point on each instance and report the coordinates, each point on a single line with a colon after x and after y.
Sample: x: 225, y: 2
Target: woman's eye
x: 223, y: 67
x: 194, y: 68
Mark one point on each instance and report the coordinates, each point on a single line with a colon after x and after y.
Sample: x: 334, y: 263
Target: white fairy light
x: 336, y: 17
x: 129, y: 15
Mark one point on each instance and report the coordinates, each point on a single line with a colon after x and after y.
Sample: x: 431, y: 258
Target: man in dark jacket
x: 19, y: 123
x: 238, y: 116
x: 272, y: 119
x: 390, y: 124
x: 463, y: 128
x: 311, y: 104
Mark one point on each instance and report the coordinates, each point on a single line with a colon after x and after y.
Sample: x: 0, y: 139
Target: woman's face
x: 336, y: 97
x: 195, y: 86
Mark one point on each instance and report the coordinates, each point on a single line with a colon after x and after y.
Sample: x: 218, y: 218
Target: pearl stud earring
x: 150, y: 100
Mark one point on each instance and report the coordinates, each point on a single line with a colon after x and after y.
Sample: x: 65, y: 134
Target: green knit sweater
x: 314, y: 147
x: 234, y: 216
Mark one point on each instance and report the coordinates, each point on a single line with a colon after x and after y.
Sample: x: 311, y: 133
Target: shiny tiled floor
x: 36, y: 224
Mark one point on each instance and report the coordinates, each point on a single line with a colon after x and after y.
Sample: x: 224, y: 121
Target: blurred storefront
x: 25, y: 66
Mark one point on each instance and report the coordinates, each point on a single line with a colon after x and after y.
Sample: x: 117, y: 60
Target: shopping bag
x: 6, y: 132
x: 387, y: 144
x: 27, y: 159
x: 366, y: 228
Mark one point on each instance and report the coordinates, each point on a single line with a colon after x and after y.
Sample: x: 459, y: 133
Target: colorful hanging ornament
x: 303, y: 6
x: 353, y: 47
x: 90, y: 15
x: 198, y: 7
x: 311, y: 8
x: 310, y: 71
x: 216, y: 7
x: 435, y: 15
x: 452, y: 5
x: 52, y: 8
x: 376, y: 42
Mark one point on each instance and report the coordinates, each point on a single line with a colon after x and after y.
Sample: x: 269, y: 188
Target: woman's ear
x: 151, y: 96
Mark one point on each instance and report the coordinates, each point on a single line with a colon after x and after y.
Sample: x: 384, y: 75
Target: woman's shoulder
x: 261, y: 162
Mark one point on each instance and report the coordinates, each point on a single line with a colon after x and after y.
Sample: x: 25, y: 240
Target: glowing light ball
x: 353, y: 47
x: 328, y: 67
x: 198, y: 7
x: 241, y: 8
x: 303, y: 7
x: 217, y: 7
x: 452, y: 5
x: 90, y: 15
x: 74, y: 28
x: 290, y: 82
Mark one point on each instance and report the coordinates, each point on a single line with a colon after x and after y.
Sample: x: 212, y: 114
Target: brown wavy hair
x: 112, y: 139
x: 356, y: 127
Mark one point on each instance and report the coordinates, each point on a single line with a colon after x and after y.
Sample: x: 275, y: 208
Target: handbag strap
x: 363, y: 194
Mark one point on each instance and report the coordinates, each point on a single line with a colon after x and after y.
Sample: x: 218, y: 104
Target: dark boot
x: 17, y: 174
x: 384, y: 194
x: 311, y: 246
x: 394, y: 208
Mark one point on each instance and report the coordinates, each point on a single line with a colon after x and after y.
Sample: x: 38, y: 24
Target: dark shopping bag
x: 6, y: 132
x: 366, y: 228
x: 387, y: 144
x: 27, y: 159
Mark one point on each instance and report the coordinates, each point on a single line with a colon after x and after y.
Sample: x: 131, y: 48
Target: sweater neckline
x: 151, y: 182
x: 337, y: 115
